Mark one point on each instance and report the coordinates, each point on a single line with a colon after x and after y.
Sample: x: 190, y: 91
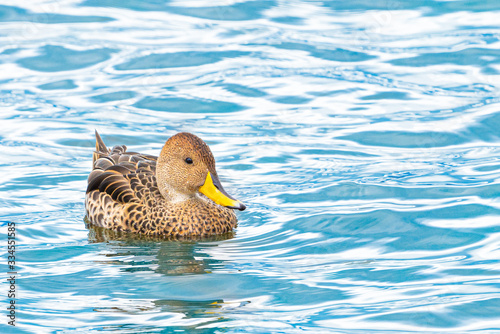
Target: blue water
x: 364, y: 137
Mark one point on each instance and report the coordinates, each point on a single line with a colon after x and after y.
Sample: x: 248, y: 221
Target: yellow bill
x: 212, y: 188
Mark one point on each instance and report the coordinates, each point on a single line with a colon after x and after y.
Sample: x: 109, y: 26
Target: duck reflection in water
x: 163, y: 255
x: 169, y: 257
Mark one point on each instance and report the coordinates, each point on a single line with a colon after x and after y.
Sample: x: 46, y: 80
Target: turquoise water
x: 364, y: 137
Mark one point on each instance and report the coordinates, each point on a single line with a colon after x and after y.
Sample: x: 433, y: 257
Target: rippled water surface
x: 364, y: 137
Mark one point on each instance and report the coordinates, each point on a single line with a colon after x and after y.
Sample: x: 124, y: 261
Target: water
x: 364, y: 136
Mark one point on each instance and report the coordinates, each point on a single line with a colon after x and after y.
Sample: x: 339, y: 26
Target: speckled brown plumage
x: 141, y: 193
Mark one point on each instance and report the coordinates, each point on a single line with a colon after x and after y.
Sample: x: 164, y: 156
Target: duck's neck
x: 173, y: 196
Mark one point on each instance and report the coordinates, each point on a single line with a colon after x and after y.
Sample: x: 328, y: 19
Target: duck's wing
x: 125, y: 176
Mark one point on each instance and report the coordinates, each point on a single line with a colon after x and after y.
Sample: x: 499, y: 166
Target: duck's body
x: 175, y: 195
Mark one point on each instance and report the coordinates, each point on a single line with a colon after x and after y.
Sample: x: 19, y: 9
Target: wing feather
x: 120, y: 169
x: 111, y: 183
x: 96, y: 179
x: 125, y: 176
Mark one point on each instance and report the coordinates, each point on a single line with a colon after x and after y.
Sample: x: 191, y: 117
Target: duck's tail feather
x: 100, y: 148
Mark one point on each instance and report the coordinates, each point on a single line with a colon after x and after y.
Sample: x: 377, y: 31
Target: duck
x: 177, y: 194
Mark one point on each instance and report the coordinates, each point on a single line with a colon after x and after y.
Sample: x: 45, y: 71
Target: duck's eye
x: 189, y: 160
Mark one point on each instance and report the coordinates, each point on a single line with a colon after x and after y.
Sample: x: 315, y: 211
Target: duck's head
x: 186, y: 168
